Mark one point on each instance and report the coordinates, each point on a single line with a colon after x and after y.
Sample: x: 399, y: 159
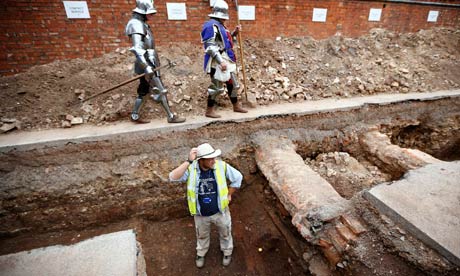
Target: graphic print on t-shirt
x: 207, y: 193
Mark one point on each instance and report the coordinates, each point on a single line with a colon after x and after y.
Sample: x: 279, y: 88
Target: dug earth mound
x: 335, y: 157
x: 280, y: 70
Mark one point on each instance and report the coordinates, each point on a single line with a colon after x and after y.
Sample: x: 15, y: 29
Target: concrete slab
x: 111, y: 254
x: 82, y: 133
x: 426, y: 202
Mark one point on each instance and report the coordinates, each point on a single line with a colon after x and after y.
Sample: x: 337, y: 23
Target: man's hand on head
x: 192, y: 154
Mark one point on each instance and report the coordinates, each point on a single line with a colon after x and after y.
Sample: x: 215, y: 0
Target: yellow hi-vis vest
x: 222, y: 190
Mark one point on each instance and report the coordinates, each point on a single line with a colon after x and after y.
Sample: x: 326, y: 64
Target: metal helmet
x: 219, y: 10
x: 145, y: 7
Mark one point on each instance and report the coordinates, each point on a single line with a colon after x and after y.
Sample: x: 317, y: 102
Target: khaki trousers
x: 223, y: 221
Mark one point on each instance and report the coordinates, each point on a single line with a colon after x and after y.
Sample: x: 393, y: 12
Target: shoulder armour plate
x: 135, y: 26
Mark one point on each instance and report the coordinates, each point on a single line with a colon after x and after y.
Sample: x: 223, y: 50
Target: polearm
x: 170, y: 64
x: 240, y: 40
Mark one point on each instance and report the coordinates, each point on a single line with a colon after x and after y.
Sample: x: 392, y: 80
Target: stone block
x: 426, y: 204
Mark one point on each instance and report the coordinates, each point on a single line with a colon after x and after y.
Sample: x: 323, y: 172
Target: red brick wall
x: 38, y: 32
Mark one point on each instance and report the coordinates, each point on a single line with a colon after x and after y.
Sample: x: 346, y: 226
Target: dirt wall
x: 82, y: 183
x: 39, y: 32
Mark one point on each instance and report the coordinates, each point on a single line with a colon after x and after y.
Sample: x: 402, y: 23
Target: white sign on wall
x: 375, y: 14
x: 176, y: 11
x: 76, y: 9
x: 247, y: 12
x: 319, y: 15
x: 433, y: 16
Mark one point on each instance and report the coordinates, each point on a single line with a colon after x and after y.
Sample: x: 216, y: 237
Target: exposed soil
x: 284, y: 70
x: 287, y: 69
x: 265, y: 243
x: 169, y: 246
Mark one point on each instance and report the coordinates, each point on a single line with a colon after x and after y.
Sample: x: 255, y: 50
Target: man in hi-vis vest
x: 208, y: 197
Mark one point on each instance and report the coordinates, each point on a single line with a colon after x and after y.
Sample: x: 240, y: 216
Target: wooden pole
x: 240, y: 42
x: 170, y: 64
x: 114, y: 87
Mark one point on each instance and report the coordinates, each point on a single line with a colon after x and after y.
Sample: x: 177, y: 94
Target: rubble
x: 7, y: 127
x: 278, y: 71
x: 346, y: 174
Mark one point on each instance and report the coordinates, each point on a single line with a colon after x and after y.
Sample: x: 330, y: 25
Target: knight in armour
x: 219, y: 59
x: 143, y: 47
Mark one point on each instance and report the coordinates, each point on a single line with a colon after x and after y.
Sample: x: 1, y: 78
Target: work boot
x: 211, y: 113
x: 237, y: 108
x: 227, y: 260
x: 176, y: 119
x: 199, y: 261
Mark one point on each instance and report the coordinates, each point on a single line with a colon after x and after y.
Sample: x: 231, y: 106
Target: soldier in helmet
x: 220, y: 57
x: 147, y: 60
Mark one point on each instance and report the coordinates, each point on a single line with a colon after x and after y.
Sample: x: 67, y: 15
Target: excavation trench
x: 64, y: 192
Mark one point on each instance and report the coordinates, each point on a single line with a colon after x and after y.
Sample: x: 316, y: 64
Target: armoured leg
x: 171, y: 117
x: 137, y: 106
x: 159, y: 96
x: 142, y: 90
x: 157, y: 86
x: 216, y: 88
x: 165, y: 104
x: 236, y: 84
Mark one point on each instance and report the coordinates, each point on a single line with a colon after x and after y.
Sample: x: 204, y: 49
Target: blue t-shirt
x: 207, y: 193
